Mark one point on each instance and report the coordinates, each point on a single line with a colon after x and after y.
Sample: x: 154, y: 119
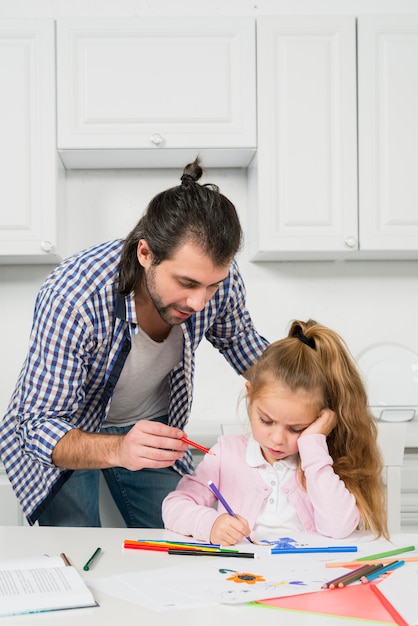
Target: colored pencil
x: 65, y: 559
x: 334, y: 582
x: 383, y: 570
x: 355, y: 577
x: 352, y: 577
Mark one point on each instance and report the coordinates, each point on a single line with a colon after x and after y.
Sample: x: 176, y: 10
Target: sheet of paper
x: 200, y: 581
x: 207, y: 581
x: 128, y: 587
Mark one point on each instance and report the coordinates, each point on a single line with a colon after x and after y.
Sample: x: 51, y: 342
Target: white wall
x: 367, y: 302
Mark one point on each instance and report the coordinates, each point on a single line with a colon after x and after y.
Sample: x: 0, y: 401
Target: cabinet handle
x: 156, y: 139
x: 46, y: 246
x: 350, y: 242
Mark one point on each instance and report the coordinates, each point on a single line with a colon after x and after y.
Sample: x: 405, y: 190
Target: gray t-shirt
x: 142, y: 389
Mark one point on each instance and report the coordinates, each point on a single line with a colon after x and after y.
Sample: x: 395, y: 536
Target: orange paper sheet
x: 354, y: 601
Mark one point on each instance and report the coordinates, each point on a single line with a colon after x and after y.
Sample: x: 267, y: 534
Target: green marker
x: 92, y: 559
x: 383, y: 555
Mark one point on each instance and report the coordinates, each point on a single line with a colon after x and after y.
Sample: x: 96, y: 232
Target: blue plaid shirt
x: 80, y: 338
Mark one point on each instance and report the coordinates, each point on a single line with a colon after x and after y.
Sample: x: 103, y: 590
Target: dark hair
x: 188, y: 212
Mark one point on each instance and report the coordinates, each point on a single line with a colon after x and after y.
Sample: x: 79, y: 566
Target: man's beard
x: 163, y: 310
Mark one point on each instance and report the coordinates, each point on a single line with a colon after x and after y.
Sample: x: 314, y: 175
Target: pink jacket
x: 326, y: 506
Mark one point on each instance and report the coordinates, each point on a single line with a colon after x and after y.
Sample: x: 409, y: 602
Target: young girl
x: 312, y: 461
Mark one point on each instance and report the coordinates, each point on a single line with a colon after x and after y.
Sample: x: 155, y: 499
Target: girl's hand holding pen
x: 230, y: 512
x: 227, y: 530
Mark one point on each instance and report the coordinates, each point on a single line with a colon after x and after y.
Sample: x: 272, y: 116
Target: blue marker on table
x: 224, y: 503
x: 303, y: 550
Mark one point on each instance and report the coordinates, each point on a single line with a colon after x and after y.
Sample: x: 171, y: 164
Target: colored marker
x: 318, y: 549
x: 242, y: 555
x: 92, y: 560
x: 196, y: 445
x: 382, y: 555
x: 165, y: 548
x: 168, y: 542
x: 354, y: 564
x: 224, y: 503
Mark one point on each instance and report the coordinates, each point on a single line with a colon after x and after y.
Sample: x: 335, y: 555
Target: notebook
x: 43, y: 583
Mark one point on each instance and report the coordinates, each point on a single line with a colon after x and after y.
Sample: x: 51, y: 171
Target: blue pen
x: 387, y: 568
x: 319, y: 549
x: 225, y: 503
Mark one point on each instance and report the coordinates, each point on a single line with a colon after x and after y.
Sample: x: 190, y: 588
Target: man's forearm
x: 82, y: 450
x: 146, y: 444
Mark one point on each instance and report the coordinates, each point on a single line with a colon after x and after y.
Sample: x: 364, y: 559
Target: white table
x: 79, y: 544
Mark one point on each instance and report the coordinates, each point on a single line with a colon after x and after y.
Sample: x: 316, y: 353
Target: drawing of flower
x: 249, y: 579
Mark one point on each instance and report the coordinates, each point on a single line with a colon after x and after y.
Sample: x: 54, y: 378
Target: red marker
x: 196, y: 445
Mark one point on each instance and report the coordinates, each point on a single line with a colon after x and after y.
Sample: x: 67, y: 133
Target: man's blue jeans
x: 138, y: 495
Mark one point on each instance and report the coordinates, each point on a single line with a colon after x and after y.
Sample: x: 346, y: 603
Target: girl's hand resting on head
x: 323, y: 425
x: 228, y: 530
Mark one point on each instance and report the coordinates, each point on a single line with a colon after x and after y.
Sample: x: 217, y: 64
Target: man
x: 108, y: 381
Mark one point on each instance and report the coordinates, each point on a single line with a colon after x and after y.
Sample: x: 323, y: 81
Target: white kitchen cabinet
x: 303, y: 182
x: 154, y: 92
x: 29, y: 165
x: 409, y: 493
x: 305, y: 202
x: 388, y: 135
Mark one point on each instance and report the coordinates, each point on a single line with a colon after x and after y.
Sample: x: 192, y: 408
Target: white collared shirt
x: 278, y: 512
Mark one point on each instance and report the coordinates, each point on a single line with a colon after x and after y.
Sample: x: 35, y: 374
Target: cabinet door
x: 303, y: 183
x: 388, y: 135
x: 152, y: 92
x: 409, y: 494
x: 28, y: 161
